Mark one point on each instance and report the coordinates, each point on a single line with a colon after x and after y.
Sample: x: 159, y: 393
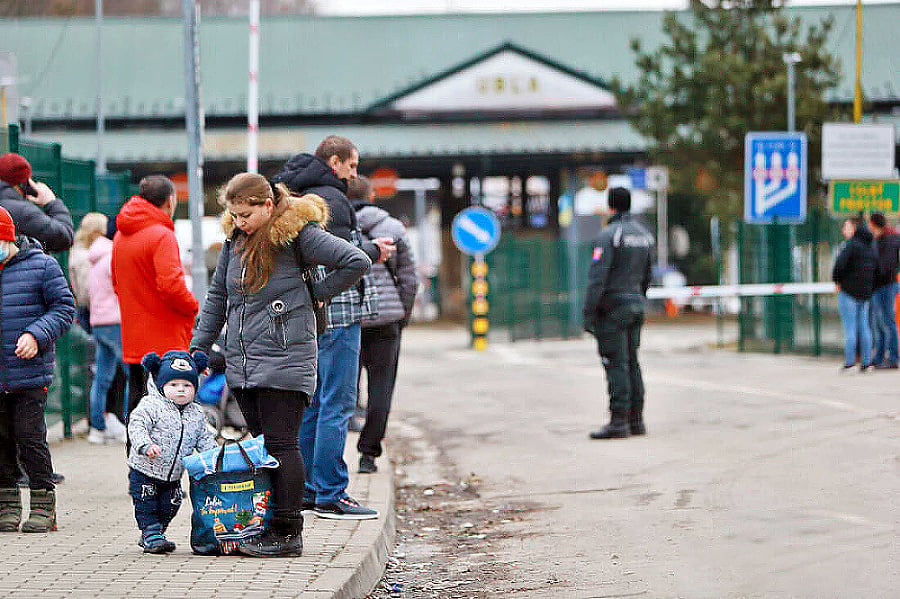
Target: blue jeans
x: 155, y: 501
x: 108, y: 340
x: 323, y: 432
x: 855, y: 318
x: 884, y: 323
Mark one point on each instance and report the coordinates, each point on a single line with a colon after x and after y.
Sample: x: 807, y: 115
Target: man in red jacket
x: 158, y: 310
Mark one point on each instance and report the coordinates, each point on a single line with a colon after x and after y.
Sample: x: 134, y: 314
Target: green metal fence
x: 536, y: 286
x: 82, y: 191
x: 785, y: 253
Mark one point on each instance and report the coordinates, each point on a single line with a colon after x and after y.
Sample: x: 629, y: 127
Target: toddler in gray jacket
x: 166, y: 426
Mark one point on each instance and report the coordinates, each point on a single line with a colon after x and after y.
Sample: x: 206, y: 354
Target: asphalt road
x: 761, y: 475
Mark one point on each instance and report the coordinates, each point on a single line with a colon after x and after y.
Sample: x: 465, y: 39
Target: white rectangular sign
x: 857, y: 151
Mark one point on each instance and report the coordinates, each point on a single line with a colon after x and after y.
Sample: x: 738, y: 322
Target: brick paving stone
x: 95, y: 552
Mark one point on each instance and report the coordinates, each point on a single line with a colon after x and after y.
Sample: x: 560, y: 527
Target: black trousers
x: 137, y: 386
x: 618, y: 338
x: 23, y: 432
x: 277, y: 414
x: 115, y: 397
x: 379, y: 354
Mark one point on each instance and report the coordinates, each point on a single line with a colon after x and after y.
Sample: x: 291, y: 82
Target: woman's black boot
x: 282, y: 539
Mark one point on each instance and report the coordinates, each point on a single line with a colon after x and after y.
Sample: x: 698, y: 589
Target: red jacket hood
x: 138, y: 213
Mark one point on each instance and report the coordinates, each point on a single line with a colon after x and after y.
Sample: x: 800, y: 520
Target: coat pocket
x: 278, y: 322
x: 286, y: 323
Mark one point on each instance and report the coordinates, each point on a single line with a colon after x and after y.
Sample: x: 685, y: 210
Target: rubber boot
x: 10, y: 509
x: 616, y: 429
x: 282, y: 539
x: 42, y: 516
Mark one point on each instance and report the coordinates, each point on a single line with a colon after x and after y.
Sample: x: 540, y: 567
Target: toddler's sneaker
x: 154, y: 541
x: 97, y: 437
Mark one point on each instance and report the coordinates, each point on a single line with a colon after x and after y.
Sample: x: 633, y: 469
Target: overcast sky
x: 360, y: 7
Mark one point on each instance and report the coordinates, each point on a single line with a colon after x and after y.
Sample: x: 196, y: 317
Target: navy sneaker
x: 345, y: 508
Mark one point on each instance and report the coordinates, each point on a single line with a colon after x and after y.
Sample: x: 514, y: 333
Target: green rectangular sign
x: 852, y: 197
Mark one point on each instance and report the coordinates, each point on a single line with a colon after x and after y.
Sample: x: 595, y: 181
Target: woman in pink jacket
x: 106, y: 325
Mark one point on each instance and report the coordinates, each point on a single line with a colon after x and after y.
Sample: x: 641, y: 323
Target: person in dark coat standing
x: 887, y: 246
x: 380, y: 348
x: 36, y: 309
x: 614, y: 312
x: 853, y: 274
x: 323, y: 433
x: 35, y: 209
x: 258, y: 289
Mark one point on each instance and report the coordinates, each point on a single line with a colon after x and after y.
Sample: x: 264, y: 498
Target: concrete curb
x: 369, y: 548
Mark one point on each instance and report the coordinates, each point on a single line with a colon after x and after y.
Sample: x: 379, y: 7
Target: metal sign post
x: 194, y: 122
x: 476, y: 231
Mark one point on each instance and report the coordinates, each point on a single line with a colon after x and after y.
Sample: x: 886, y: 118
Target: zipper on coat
x: 178, y: 449
x: 241, y: 325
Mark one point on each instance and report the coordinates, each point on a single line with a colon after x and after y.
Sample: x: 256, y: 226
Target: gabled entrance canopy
x: 507, y: 79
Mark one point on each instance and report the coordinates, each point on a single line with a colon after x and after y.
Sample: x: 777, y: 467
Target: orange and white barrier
x: 756, y: 289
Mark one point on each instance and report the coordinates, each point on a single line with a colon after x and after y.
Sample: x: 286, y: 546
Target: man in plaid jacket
x: 324, y: 429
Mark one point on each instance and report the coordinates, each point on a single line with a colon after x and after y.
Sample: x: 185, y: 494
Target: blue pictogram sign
x: 475, y: 231
x: 775, y: 177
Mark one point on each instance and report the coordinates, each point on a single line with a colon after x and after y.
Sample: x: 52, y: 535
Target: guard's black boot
x: 636, y: 427
x: 282, y: 539
x: 616, y: 429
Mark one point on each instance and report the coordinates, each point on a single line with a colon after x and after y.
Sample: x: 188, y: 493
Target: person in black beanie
x: 614, y: 312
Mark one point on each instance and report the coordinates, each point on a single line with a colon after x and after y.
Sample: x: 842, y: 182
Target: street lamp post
x: 791, y: 58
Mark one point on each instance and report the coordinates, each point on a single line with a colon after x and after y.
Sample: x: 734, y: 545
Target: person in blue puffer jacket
x: 36, y: 310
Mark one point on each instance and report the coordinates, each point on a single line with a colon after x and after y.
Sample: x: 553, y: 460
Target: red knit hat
x: 14, y: 169
x: 7, y: 226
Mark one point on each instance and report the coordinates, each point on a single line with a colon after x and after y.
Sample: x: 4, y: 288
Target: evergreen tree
x: 720, y: 75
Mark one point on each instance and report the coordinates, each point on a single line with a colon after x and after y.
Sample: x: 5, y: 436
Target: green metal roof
x: 374, y: 141
x: 313, y: 65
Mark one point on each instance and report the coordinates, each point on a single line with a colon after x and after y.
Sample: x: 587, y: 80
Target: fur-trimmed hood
x: 301, y: 211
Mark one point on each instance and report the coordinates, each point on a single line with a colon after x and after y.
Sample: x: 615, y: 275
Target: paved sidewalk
x: 94, y: 553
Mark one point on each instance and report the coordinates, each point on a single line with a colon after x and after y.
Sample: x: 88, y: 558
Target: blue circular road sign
x: 475, y: 231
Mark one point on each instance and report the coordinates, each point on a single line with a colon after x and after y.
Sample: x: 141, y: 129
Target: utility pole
x: 791, y: 58
x: 101, y: 116
x: 253, y: 91
x: 194, y: 122
x: 857, y: 96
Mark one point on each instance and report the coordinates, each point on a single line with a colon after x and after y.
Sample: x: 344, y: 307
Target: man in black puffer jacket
x: 323, y: 433
x: 854, y: 273
x: 35, y: 209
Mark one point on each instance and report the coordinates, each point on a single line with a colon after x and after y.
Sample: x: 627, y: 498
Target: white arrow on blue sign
x: 475, y: 231
x: 775, y: 177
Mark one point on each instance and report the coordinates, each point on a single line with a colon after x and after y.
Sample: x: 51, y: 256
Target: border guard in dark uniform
x: 614, y: 312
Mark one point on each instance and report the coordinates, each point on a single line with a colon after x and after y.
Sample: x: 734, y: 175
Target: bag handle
x: 221, y: 457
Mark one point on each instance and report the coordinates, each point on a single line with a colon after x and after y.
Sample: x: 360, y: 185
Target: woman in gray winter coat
x: 259, y: 291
